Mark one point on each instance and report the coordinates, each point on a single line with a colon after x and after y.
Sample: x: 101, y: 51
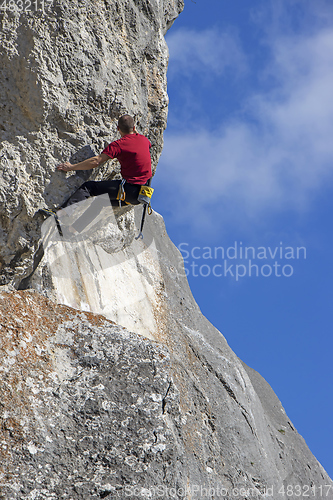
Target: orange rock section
x: 28, y: 322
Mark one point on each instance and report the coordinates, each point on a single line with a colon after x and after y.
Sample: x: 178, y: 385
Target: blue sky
x: 247, y: 162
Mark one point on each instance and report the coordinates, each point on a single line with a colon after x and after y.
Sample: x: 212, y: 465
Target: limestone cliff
x: 112, y: 383
x: 90, y: 409
x: 66, y: 76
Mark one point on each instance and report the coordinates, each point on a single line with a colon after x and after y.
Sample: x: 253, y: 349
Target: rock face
x: 112, y: 383
x: 98, y: 265
x: 83, y: 408
x: 66, y: 76
x: 90, y: 410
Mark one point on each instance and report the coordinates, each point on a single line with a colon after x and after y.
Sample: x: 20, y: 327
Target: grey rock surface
x: 90, y: 410
x: 82, y: 405
x: 66, y: 75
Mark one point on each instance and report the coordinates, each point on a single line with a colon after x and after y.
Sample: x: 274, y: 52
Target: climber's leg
x: 92, y: 188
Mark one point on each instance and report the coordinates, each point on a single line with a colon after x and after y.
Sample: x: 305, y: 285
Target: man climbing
x: 133, y: 153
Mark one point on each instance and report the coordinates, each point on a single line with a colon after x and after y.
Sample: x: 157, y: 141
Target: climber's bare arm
x: 87, y: 164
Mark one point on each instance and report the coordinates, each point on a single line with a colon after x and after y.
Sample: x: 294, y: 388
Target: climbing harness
x: 144, y: 197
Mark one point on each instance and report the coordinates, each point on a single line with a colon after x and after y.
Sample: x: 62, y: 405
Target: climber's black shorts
x: 96, y: 188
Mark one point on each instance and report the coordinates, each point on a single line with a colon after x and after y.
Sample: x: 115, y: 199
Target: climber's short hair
x: 126, y: 124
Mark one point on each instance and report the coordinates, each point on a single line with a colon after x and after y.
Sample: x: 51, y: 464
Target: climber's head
x: 126, y: 125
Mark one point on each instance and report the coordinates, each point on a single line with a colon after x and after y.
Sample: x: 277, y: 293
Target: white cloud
x: 277, y: 158
x: 205, y: 53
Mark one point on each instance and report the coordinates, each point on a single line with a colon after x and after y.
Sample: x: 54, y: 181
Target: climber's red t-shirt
x: 133, y: 153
